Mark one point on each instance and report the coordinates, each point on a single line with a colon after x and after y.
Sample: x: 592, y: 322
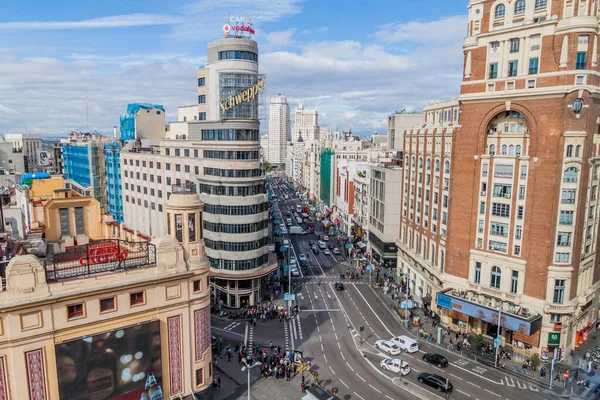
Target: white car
x: 388, y: 346
x: 294, y: 271
x: 326, y: 238
x: 322, y: 245
x: 396, y: 366
x: 293, y: 260
x: 326, y: 252
x: 286, y: 243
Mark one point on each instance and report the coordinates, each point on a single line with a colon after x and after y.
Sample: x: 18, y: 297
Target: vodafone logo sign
x: 226, y: 29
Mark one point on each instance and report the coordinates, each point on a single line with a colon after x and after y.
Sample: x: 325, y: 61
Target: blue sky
x: 355, y: 61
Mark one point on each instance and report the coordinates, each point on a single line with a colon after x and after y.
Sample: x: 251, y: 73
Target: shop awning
x: 450, y: 300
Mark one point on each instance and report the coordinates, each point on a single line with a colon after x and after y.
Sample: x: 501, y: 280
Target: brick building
x: 523, y: 191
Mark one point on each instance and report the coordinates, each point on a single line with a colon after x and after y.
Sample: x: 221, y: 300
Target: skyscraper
x: 279, y: 131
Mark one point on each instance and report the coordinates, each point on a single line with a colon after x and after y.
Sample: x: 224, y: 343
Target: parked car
x: 293, y: 260
x: 436, y: 359
x: 336, y: 251
x: 388, y: 346
x: 396, y: 366
x: 286, y: 243
x: 339, y: 286
x: 437, y: 382
x: 311, y: 243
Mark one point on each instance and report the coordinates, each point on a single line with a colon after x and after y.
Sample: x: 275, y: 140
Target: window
x: 492, y: 149
x: 75, y: 311
x: 520, y: 211
x: 578, y: 151
x: 482, y: 207
x: 566, y: 217
x: 499, y: 11
x: 513, y: 67
x: 437, y: 165
x: 518, y: 150
x: 498, y: 246
x: 539, y: 4
x: 554, y: 318
x: 504, y: 148
x: 559, y: 291
x: 561, y: 257
x: 514, y: 282
x: 447, y: 167
x: 517, y: 250
x: 484, y: 170
x: 495, y: 278
x: 202, y: 99
x: 201, y: 81
x: 568, y: 196
x: 499, y: 229
x: 518, y: 232
x: 533, y: 65
x: 580, y: 63
x: 136, y: 298
x: 523, y: 171
x: 200, y: 377
x: 197, y: 286
x: 493, y: 71
x: 570, y: 175
x: 570, y: 150
x: 519, y: 7
x: 477, y: 272
x: 501, y: 210
x: 202, y: 116
x: 514, y: 45
x: 107, y: 304
x: 503, y: 171
x: 535, y: 42
x: 591, y: 212
x: 563, y: 239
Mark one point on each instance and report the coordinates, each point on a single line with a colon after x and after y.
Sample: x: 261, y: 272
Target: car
x: 437, y: 382
x: 286, y: 243
x: 396, y: 366
x: 331, y: 246
x: 336, y: 251
x: 436, y: 359
x: 294, y: 271
x: 405, y: 343
x: 293, y: 260
x: 286, y: 197
x: 288, y: 214
x: 327, y: 252
x: 315, y: 250
x: 311, y: 243
x: 288, y: 221
x: 302, y: 257
x: 388, y: 346
x: 339, y: 286
x: 322, y: 245
x: 282, y: 227
x: 325, y: 238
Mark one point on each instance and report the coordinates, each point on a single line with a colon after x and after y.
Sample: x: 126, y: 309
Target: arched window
x: 570, y: 175
x: 492, y: 149
x: 420, y: 162
x: 511, y: 150
x: 495, y: 278
x: 414, y: 161
x: 406, y: 161
x: 428, y: 164
x: 519, y: 7
x: 437, y: 165
x: 447, y: 167
x: 570, y: 150
x: 578, y: 151
x: 503, y: 149
x: 500, y: 11
x: 518, y: 150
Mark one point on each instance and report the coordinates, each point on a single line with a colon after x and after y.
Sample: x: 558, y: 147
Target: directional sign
x: 370, y: 267
x: 498, y: 342
x: 404, y: 304
x: 349, y: 246
x: 288, y: 296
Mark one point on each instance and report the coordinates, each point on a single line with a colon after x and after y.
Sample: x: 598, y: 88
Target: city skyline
x: 145, y: 52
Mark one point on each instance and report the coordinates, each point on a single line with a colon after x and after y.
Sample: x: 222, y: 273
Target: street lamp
x: 247, y: 367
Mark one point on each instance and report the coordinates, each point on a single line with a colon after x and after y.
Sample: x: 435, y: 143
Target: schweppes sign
x: 242, y: 97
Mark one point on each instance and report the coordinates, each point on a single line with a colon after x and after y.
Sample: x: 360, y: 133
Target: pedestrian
x: 219, y: 382
x: 543, y: 371
x: 272, y: 345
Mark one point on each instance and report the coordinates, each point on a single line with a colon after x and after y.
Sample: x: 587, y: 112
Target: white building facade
x: 31, y: 147
x: 279, y: 131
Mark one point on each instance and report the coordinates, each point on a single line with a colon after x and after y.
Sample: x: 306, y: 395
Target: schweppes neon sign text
x: 242, y: 97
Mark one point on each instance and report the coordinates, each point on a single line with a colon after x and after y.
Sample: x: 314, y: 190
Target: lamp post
x: 247, y: 367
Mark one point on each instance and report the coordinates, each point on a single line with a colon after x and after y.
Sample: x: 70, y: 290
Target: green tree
x: 268, y: 167
x: 535, y: 361
x: 478, y: 341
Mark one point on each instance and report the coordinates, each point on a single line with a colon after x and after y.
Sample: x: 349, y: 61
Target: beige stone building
x: 112, y: 317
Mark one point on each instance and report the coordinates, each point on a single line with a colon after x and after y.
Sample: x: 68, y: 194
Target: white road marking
x: 457, y: 377
x: 479, y: 376
x: 331, y: 370
x: 231, y: 333
x: 344, y: 383
x: 373, y: 311
x: 374, y: 388
x: 361, y: 378
x: 320, y: 338
x: 388, y: 397
x: 466, y: 394
x: 495, y: 394
x: 342, y: 354
x: 338, y: 343
x: 471, y: 383
x: 294, y: 329
x: 318, y: 329
x: 352, y: 369
x: 511, y: 383
x: 533, y: 389
x: 336, y: 338
x: 325, y: 357
x: 358, y: 395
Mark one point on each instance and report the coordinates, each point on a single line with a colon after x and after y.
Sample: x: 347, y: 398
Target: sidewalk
x: 512, y: 367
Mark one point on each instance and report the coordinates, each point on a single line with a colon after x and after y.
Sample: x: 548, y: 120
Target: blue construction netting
x: 27, y: 178
x: 127, y: 124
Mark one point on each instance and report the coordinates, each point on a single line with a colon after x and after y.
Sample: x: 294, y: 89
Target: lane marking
x: 325, y: 357
x: 457, y: 377
x: 495, y: 394
x: 344, y: 383
x: 388, y: 397
x: 358, y: 395
x: 349, y: 366
x: 342, y: 354
x: 374, y: 388
x: 373, y: 311
x: 331, y: 370
x: 339, y: 348
x: 477, y: 375
x: 229, y: 332
x: 361, y: 378
x: 466, y: 394
x: 471, y: 383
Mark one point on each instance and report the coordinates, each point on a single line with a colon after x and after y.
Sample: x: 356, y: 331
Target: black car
x: 439, y: 383
x: 339, y: 286
x: 315, y: 249
x: 311, y: 243
x: 330, y: 246
x: 437, y: 359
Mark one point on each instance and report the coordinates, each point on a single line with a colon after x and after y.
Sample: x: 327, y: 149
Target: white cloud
x: 278, y: 40
x: 445, y: 30
x: 117, y: 21
x: 318, y: 30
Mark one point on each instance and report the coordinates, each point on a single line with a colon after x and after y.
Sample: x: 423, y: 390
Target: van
x: 407, y: 344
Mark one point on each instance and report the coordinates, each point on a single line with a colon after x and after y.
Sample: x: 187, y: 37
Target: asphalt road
x: 327, y: 329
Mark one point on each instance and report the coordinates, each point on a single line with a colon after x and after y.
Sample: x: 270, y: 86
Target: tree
x: 535, y: 361
x: 478, y: 341
x: 268, y: 167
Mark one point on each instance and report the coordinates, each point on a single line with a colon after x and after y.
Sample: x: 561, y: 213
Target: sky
x: 356, y: 62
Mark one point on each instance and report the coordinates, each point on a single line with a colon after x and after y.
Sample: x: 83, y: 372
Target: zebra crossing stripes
x: 299, y: 326
x: 231, y: 326
x: 286, y: 334
x: 509, y: 381
x: 251, y: 336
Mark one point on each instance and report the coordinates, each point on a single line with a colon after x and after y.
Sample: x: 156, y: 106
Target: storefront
x: 522, y: 333
x: 581, y: 336
x: 384, y: 253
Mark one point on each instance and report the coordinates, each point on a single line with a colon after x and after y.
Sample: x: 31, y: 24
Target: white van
x: 407, y: 344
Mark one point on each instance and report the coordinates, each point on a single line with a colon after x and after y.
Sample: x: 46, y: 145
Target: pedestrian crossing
x: 286, y: 333
x: 251, y: 336
x: 507, y: 380
x: 299, y: 327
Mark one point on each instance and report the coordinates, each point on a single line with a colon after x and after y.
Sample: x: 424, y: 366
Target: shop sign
x: 237, y: 26
x: 507, y: 320
x: 554, y: 339
x: 242, y: 97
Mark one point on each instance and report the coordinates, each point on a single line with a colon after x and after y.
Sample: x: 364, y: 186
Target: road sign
x: 406, y: 304
x: 291, y: 297
x: 370, y: 267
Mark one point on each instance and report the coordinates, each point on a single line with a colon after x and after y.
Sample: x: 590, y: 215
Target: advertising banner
x: 43, y: 158
x: 124, y: 364
x: 508, y: 321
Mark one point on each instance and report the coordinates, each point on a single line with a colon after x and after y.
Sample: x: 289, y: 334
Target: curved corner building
x: 232, y: 179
